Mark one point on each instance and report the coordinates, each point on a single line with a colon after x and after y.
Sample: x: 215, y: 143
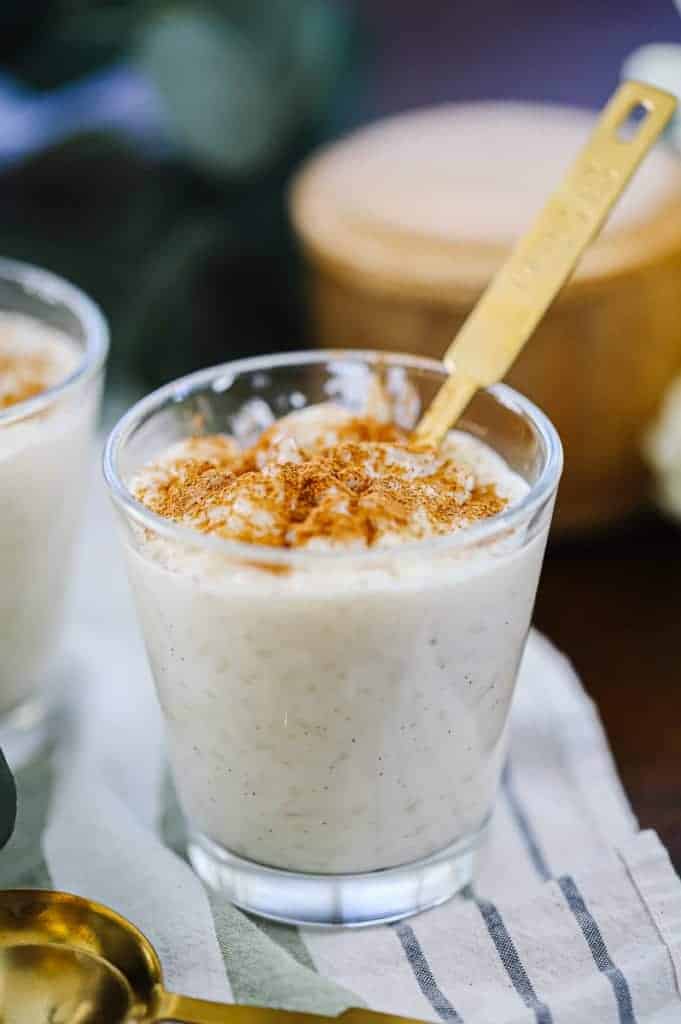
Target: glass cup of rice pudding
x: 335, y: 618
x: 53, y: 344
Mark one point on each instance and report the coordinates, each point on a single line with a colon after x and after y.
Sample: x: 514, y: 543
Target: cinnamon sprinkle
x: 23, y: 377
x: 359, y: 484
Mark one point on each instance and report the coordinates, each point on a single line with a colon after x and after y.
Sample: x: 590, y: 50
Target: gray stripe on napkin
x: 21, y: 862
x: 261, y: 972
x: 523, y: 824
x: 423, y: 973
x: 288, y: 937
x: 599, y: 951
x: 508, y: 954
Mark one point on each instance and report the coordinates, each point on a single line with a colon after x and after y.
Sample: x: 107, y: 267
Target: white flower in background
x: 662, y: 449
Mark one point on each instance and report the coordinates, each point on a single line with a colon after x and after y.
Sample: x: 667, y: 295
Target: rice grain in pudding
x: 42, y: 475
x: 343, y: 712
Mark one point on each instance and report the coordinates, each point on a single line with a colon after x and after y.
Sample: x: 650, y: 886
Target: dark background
x: 570, y: 51
x: 183, y: 238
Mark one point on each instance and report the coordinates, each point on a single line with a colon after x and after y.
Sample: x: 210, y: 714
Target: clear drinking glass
x: 335, y: 720
x: 45, y: 445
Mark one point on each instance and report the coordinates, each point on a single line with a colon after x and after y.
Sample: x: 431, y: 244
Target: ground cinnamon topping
x: 33, y: 358
x: 22, y: 377
x: 356, y: 484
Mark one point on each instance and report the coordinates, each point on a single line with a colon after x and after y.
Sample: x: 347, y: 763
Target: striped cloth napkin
x: 575, y: 916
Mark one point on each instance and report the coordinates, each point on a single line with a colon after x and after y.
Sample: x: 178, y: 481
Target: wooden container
x: 404, y: 222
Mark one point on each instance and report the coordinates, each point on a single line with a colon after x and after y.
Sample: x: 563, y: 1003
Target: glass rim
x: 225, y: 373
x: 50, y: 287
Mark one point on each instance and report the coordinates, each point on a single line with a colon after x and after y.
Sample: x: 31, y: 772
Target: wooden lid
x: 428, y: 203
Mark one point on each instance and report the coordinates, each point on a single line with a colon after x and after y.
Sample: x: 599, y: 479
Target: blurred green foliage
x: 189, y: 254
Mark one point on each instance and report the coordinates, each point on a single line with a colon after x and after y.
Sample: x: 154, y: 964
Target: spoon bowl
x: 68, y: 960
x: 61, y: 985
x: 96, y: 948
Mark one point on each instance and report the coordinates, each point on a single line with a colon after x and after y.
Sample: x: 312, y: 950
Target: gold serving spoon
x: 67, y: 960
x: 542, y: 261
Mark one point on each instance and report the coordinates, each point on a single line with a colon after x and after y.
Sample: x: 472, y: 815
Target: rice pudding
x: 344, y: 713
x: 43, y: 471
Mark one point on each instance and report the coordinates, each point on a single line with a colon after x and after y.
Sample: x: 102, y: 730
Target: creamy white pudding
x: 343, y: 712
x: 43, y: 470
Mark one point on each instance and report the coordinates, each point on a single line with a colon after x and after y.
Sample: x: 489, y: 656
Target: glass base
x: 354, y: 901
x: 26, y: 730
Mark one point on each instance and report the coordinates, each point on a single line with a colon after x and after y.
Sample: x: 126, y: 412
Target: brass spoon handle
x: 543, y: 259
x: 172, y: 1007
x: 190, y: 1011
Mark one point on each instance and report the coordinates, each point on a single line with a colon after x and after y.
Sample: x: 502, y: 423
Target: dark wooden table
x: 612, y: 603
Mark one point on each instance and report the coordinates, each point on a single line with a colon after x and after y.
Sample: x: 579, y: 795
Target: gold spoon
x: 67, y: 960
x: 542, y: 261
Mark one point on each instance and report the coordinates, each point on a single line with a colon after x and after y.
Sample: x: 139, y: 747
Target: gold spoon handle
x: 187, y: 1010
x: 173, y: 1007
x: 543, y: 259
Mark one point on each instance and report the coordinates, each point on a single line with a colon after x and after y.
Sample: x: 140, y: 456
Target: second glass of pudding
x: 334, y: 620
x: 53, y: 344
